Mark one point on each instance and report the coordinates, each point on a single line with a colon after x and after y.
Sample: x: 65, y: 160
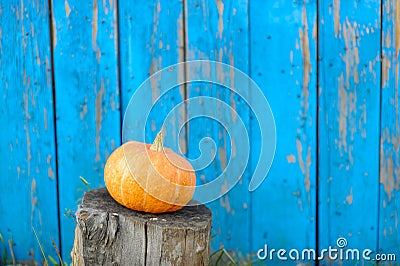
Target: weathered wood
x: 28, y: 157
x: 349, y: 74
x: 284, y: 66
x: 222, y: 37
x: 110, y: 234
x: 389, y: 207
x: 87, y: 99
x: 151, y: 38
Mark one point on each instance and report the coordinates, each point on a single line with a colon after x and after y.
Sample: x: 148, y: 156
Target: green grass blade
x: 229, y: 256
x: 52, y: 260
x: 3, y: 242
x: 219, y: 258
x: 40, y: 246
x: 85, y: 182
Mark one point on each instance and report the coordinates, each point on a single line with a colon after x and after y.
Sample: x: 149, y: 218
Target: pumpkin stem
x: 158, y: 142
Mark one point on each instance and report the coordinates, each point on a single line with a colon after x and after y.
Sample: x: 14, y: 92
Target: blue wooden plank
x: 284, y: 65
x: 151, y: 39
x: 87, y: 99
x: 389, y: 212
x: 28, y: 176
x: 349, y: 122
x: 219, y: 31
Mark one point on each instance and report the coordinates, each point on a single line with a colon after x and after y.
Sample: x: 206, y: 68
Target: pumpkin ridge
x: 121, y: 189
x: 146, y: 190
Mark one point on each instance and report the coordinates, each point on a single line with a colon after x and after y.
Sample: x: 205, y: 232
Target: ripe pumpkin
x: 149, y: 178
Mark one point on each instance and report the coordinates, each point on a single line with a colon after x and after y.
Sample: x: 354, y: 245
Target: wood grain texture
x: 357, y: 132
x: 389, y: 212
x: 349, y: 98
x: 28, y: 176
x: 284, y: 65
x: 109, y: 234
x: 218, y: 31
x: 87, y: 99
x: 152, y: 39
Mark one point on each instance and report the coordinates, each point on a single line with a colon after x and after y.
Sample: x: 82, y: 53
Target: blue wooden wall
x: 329, y: 69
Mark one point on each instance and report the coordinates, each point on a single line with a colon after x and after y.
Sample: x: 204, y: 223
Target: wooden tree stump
x: 110, y: 234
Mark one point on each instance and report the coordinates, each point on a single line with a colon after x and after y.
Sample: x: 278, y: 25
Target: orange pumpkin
x: 149, y: 178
